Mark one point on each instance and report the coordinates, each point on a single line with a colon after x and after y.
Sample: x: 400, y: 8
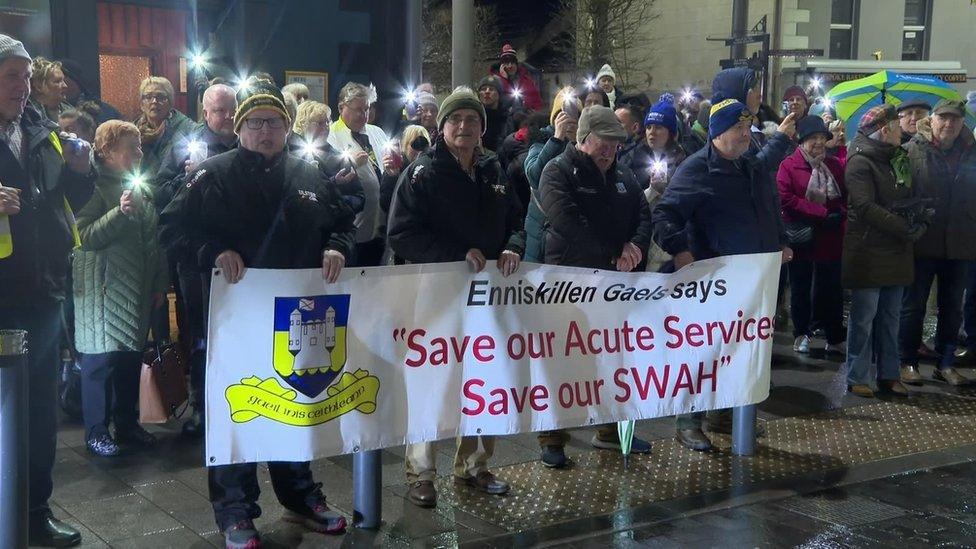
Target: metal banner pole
x: 744, y: 430
x: 367, y: 489
x: 13, y: 438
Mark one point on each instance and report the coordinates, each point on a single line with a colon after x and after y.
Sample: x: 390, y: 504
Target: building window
x: 914, y: 33
x: 842, y: 23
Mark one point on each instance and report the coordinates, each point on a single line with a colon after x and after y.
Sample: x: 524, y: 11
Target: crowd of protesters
x: 110, y: 217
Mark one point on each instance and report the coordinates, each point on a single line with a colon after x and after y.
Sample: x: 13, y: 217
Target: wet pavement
x: 835, y: 471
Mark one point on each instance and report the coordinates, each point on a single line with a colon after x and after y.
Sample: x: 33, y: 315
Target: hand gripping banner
x: 298, y: 369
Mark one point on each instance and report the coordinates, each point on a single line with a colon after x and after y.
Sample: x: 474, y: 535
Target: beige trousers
x: 471, y: 458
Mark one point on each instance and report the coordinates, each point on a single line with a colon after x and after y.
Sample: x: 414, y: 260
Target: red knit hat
x: 795, y: 91
x: 508, y: 51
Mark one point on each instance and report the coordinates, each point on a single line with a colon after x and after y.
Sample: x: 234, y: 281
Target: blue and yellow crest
x: 310, y: 340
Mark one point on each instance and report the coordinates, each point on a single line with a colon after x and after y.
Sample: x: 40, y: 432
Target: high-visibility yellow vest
x: 7, y: 239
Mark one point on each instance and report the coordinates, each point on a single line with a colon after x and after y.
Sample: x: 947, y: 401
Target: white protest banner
x: 298, y: 369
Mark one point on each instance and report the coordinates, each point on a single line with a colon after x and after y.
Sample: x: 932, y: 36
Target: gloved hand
x: 833, y: 219
x: 916, y: 231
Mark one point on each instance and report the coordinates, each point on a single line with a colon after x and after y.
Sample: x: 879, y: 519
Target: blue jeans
x: 872, y: 334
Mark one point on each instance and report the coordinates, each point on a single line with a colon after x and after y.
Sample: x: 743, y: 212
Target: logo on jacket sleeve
x: 309, y: 355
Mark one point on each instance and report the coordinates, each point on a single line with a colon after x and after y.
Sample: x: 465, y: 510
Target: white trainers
x: 802, y: 344
x: 838, y: 348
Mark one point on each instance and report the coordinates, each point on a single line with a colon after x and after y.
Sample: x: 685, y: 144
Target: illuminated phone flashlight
x: 816, y: 83
x: 589, y: 82
x: 659, y: 167
x: 517, y: 94
x: 687, y: 95
x: 197, y: 150
x: 347, y: 156
x: 198, y: 61
x: 827, y: 103
x: 408, y: 96
x: 137, y: 181
x: 309, y: 150
x: 391, y: 145
x: 241, y: 83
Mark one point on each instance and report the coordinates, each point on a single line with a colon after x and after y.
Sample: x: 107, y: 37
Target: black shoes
x: 554, y: 457
x: 135, y: 436
x: 106, y: 446
x: 194, y: 427
x: 694, y: 439
x: 47, y: 531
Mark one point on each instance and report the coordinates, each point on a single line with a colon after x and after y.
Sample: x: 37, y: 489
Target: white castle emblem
x: 311, y: 342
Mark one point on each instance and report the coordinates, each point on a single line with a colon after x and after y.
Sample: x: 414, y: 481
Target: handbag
x: 799, y: 233
x: 162, y: 386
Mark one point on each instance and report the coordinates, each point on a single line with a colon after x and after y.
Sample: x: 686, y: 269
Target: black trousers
x: 234, y: 489
x: 43, y: 323
x: 110, y: 381
x: 952, y: 279
x: 816, y: 296
x: 195, y: 297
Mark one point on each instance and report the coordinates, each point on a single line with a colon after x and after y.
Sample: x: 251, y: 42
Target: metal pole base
x: 13, y: 438
x: 744, y: 430
x: 367, y: 488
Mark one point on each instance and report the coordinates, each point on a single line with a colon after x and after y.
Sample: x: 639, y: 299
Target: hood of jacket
x: 732, y: 84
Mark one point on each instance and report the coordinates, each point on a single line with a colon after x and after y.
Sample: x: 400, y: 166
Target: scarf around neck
x: 822, y: 185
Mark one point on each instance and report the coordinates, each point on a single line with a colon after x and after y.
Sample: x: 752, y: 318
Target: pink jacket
x: 792, y: 179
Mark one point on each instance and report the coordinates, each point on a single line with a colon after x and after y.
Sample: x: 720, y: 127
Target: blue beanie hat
x: 726, y: 114
x: 664, y: 114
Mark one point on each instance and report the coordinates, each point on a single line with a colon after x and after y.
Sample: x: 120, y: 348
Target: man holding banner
x: 598, y: 218
x: 258, y: 207
x: 452, y: 204
x: 721, y: 201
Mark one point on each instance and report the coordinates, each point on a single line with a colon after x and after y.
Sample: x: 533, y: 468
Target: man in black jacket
x: 452, y: 204
x: 42, y: 179
x: 257, y: 206
x: 598, y: 218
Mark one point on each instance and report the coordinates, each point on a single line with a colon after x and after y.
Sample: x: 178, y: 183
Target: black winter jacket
x: 172, y: 172
x: 591, y: 216
x: 439, y: 213
x: 42, y: 231
x: 280, y: 214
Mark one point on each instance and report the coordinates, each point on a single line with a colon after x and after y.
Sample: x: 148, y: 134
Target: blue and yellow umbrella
x: 852, y: 99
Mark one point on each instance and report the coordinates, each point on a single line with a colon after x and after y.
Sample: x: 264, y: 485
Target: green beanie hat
x: 462, y: 97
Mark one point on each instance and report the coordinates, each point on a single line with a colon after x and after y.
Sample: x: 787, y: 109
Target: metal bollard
x: 13, y: 438
x: 744, y: 430
x: 367, y: 487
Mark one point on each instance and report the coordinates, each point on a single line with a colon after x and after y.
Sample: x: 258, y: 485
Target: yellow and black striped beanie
x: 255, y: 94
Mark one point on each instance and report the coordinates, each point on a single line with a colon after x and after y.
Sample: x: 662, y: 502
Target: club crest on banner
x: 309, y: 355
